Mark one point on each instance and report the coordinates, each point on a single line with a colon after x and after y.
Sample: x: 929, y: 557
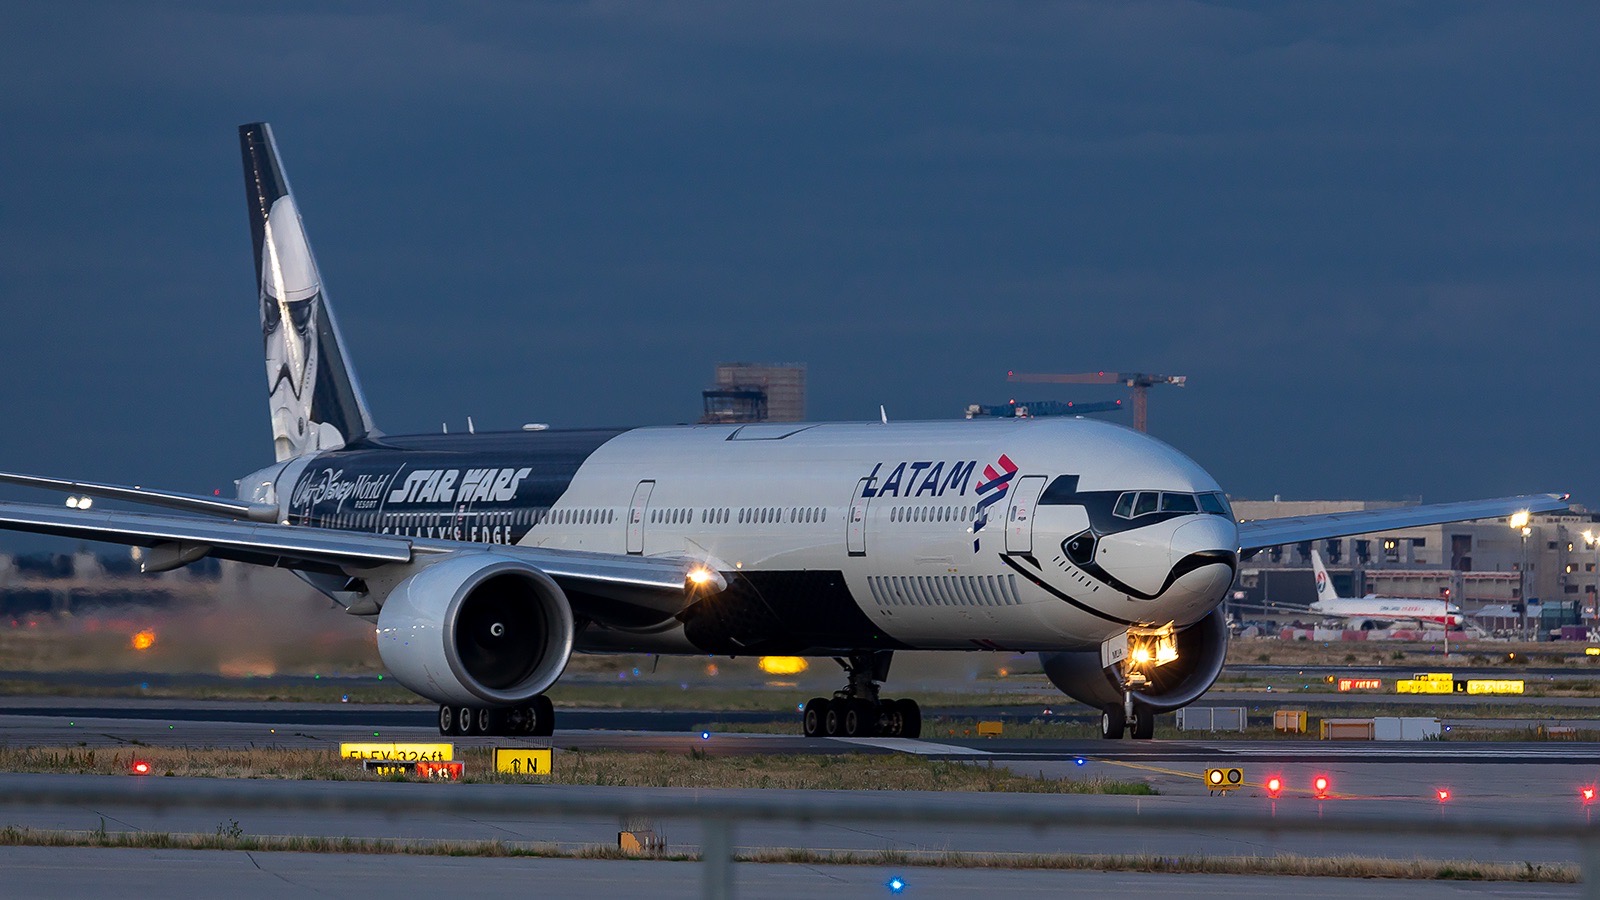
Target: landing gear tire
x: 447, y: 718
x: 487, y: 720
x: 910, y: 718
x: 1144, y: 723
x: 832, y: 722
x: 1113, y: 722
x: 860, y: 717
x: 544, y: 716
x: 466, y: 722
x: 812, y: 720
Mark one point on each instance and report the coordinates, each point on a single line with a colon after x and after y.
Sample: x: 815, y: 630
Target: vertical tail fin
x: 1325, y: 589
x: 315, y: 399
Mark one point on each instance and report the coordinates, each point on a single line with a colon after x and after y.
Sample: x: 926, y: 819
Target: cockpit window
x: 1182, y: 503
x: 1133, y: 504
x: 1146, y: 503
x: 1124, y: 508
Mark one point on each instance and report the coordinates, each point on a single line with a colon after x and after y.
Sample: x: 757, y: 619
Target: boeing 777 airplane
x: 485, y: 560
x: 1368, y: 612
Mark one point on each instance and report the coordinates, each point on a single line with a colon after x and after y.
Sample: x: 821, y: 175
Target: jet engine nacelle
x: 477, y: 629
x: 1202, y: 648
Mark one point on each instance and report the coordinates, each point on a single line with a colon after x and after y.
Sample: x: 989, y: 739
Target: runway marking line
x: 911, y: 745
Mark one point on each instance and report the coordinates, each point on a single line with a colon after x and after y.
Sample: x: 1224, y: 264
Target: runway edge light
x: 1274, y: 786
x: 1320, y: 785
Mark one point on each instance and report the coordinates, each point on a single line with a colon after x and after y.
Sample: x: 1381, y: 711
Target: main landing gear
x: 858, y: 711
x: 537, y: 718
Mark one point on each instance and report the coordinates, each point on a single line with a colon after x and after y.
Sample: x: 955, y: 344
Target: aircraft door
x: 641, y: 502
x: 855, y: 538
x: 1019, y: 515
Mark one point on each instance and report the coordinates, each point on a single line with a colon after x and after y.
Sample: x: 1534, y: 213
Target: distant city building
x: 748, y: 392
x: 1476, y: 564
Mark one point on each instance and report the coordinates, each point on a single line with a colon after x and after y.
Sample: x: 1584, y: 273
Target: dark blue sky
x: 1370, y: 234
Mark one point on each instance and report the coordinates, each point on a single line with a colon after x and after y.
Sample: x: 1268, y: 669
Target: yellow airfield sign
x: 400, y: 752
x: 523, y: 761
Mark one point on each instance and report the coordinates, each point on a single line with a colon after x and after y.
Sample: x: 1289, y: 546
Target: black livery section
x: 783, y: 613
x: 488, y: 488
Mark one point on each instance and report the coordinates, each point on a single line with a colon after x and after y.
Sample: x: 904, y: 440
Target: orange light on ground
x: 784, y: 665
x: 144, y: 640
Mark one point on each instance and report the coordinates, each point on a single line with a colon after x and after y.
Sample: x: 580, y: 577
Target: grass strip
x: 229, y: 836
x: 618, y: 768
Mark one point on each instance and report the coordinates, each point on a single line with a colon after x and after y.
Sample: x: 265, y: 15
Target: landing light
x: 700, y: 576
x: 784, y: 665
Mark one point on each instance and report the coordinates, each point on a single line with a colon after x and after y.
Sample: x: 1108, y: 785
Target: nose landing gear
x: 858, y: 711
x: 1138, y: 720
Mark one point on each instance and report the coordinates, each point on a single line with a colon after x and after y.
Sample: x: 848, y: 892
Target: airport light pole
x: 1519, y: 522
x: 1591, y: 607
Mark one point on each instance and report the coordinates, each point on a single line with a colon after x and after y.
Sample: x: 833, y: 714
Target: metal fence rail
x: 720, y: 814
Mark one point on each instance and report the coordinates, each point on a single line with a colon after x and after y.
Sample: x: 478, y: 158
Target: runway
x: 1502, y: 782
x: 39, y: 872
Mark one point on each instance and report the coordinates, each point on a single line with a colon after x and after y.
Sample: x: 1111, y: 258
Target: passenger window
x: 1124, y: 507
x: 1146, y: 503
x: 1180, y: 503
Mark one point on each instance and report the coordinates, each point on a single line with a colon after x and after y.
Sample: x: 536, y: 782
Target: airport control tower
x: 751, y: 392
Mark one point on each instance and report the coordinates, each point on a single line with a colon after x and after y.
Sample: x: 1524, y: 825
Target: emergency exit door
x: 636, y: 510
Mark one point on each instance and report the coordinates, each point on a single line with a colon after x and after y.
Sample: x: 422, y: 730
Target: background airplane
x: 1372, y: 611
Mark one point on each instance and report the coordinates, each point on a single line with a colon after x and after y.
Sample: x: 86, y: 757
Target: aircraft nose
x: 1205, y: 535
x: 1205, y: 558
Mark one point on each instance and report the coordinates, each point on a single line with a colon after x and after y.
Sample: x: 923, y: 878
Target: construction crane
x: 1139, y: 381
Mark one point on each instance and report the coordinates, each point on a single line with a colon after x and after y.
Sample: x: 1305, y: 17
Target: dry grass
x: 696, y: 769
x: 231, y: 836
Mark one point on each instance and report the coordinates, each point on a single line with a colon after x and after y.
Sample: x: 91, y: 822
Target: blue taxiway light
x: 896, y: 885
x: 1080, y: 761
x: 705, y: 735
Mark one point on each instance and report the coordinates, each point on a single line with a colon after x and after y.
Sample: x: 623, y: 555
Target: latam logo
x: 920, y: 479
x: 452, y: 486
x: 991, y: 491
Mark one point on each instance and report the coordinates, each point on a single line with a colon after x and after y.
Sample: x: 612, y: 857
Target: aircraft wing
x: 656, y: 583
x: 1262, y: 533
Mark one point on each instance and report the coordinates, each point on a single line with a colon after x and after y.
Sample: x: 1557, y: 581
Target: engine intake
x: 1202, y: 649
x: 476, y: 629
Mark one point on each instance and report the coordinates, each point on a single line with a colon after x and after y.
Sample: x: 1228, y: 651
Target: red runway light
x: 140, y: 767
x: 1320, y: 786
x: 1587, y: 793
x: 1274, y: 787
x: 1443, y: 794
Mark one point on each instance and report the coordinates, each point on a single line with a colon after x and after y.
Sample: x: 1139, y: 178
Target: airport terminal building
x: 1479, y: 565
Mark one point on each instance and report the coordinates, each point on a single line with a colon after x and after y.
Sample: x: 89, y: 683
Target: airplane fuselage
x: 1016, y: 535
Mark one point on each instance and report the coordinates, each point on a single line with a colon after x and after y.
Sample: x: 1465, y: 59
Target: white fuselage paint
x: 773, y: 496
